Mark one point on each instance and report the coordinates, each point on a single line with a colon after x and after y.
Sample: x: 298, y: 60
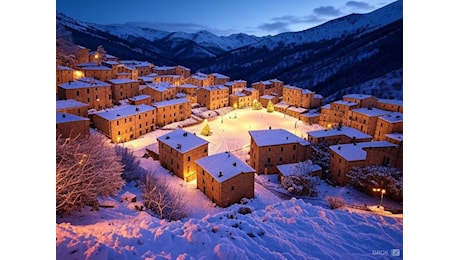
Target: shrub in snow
x: 132, y: 171
x: 163, y: 200
x: 244, y: 210
x: 377, y: 176
x: 85, y: 169
x: 320, y: 155
x: 301, y: 182
x: 335, y: 202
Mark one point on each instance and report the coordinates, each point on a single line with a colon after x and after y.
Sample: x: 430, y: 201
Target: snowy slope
x: 354, y: 24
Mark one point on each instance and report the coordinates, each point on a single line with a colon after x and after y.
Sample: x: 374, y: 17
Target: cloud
x: 327, y: 11
x: 284, y: 23
x: 275, y: 27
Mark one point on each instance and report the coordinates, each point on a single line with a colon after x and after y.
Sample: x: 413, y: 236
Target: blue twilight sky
x: 258, y: 17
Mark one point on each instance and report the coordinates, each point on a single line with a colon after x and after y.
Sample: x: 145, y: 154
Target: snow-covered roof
x: 224, y: 166
x: 125, y: 111
x: 310, y: 114
x: 97, y: 67
x: 164, y: 68
x: 66, y: 117
x: 391, y: 101
x: 292, y: 87
x: 355, y: 152
x: 347, y: 131
x: 357, y: 96
x: 371, y: 112
x: 221, y: 76
x: 395, y: 136
x: 182, y: 141
x: 318, y: 96
x: 275, y: 137
x: 215, y: 87
x: 171, y: 102
x: 69, y: 103
x: 281, y: 104
x: 84, y: 83
x: 167, y: 76
x: 139, y: 97
x: 59, y: 67
x: 344, y: 102
x: 327, y: 106
x: 160, y: 86
x: 266, y: 97
x: 239, y: 94
x: 394, y: 117
x: 293, y: 168
x: 306, y: 91
x: 250, y: 89
x: 187, y: 85
x: 122, y: 81
x: 297, y: 109
x: 199, y: 77
x: 85, y: 64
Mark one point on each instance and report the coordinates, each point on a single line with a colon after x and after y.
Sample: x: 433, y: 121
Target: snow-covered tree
x: 256, y: 105
x: 162, y: 199
x: 101, y: 54
x: 270, y: 107
x: 377, y: 176
x: 132, y: 171
x: 301, y: 182
x: 85, y: 170
x: 320, y: 155
x: 206, y: 131
x: 66, y: 50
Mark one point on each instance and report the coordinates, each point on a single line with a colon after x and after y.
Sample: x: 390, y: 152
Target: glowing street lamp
x: 382, y: 191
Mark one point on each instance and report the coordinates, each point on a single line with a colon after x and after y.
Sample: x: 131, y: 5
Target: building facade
x: 224, y: 178
x: 178, y: 150
x: 125, y: 123
x: 172, y: 111
x: 273, y: 147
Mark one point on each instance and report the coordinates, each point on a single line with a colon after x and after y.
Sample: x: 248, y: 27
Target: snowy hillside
x: 354, y: 24
x: 202, y: 38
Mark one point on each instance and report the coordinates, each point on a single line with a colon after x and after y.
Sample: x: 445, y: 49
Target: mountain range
x: 357, y: 53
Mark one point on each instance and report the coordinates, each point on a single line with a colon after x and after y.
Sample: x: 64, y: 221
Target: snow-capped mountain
x: 341, y: 54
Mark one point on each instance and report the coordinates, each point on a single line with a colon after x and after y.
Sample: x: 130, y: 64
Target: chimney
x: 179, y: 146
x: 185, y: 134
x: 220, y: 174
x: 340, y: 147
x: 63, y: 115
x: 234, y: 164
x: 137, y: 109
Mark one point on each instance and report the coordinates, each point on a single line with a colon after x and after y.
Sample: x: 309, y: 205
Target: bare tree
x: 85, y: 169
x: 132, y: 171
x: 162, y: 199
x: 101, y: 54
x: 66, y: 50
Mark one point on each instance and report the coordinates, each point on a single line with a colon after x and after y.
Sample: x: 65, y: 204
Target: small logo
x: 392, y: 252
x: 395, y: 252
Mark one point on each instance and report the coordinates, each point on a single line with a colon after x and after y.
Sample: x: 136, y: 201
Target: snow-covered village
x: 164, y: 162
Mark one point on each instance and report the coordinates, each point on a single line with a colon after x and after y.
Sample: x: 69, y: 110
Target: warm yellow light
x: 329, y: 126
x: 118, y: 139
x: 77, y: 74
x: 235, y: 106
x: 96, y: 56
x: 383, y: 191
